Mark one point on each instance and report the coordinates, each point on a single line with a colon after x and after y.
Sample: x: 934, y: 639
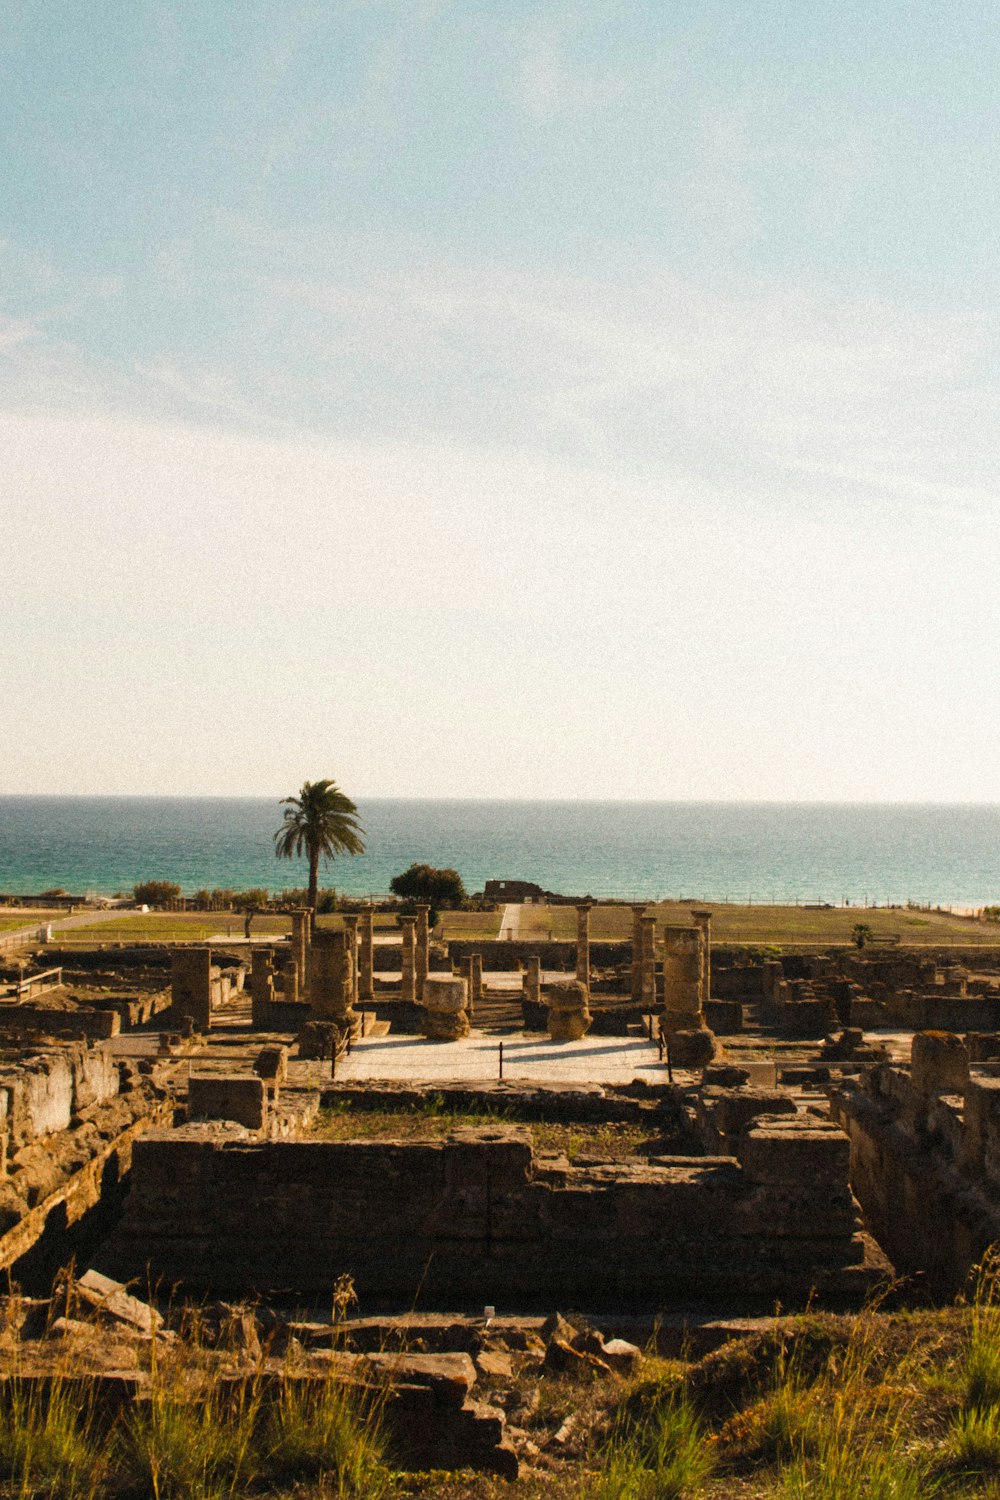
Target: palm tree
x: 320, y: 820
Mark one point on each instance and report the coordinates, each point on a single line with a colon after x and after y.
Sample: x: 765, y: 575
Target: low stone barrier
x: 477, y: 1218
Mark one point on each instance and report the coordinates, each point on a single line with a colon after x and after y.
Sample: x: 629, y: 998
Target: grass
x: 25, y: 919
x: 612, y: 1142
x: 49, y: 1440
x: 667, y: 1458
x: 785, y: 926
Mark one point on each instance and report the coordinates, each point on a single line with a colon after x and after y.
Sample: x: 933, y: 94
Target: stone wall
x: 45, y: 1020
x: 477, y: 1218
x: 925, y: 1158
x: 68, y: 1117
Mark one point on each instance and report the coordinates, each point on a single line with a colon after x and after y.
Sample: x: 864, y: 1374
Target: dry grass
x: 784, y: 926
x: 611, y: 1142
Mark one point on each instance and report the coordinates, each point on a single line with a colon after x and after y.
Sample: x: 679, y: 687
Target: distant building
x: 514, y: 890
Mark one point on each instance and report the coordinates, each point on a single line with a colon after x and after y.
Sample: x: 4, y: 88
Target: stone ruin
x: 446, y: 1008
x: 925, y: 1154
x: 568, y: 1015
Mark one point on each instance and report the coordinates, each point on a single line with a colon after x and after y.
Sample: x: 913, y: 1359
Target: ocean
x: 763, y: 852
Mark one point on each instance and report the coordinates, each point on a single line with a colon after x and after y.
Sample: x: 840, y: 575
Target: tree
x: 155, y: 892
x: 425, y: 883
x: 861, y: 934
x: 321, y: 820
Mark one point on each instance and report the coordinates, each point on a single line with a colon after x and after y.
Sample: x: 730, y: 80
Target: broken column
x: 366, y: 965
x: 331, y: 981
x: 191, y: 986
x: 408, y: 988
x: 638, y: 912
x: 703, y: 921
x: 647, y: 949
x: 423, y: 951
x: 476, y: 980
x: 351, y: 928
x: 301, y: 923
x: 682, y: 1021
x: 445, y: 1006
x: 569, y: 1017
x: 261, y: 988
x: 290, y: 981
x: 583, y: 945
x: 533, y: 980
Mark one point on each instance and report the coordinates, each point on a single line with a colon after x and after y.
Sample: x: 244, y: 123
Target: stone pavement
x: 597, y: 1059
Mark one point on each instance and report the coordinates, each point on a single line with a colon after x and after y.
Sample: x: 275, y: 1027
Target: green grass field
x: 780, y: 926
x: 25, y: 918
x: 185, y: 926
x: 783, y: 926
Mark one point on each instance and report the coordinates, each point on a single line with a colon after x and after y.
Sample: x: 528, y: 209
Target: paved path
x: 597, y: 1059
x: 510, y: 921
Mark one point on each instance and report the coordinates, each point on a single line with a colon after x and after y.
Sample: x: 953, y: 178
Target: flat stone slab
x: 591, y: 1059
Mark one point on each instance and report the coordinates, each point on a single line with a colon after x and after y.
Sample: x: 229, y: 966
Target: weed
x: 667, y: 1458
x: 325, y: 1431
x: 973, y: 1445
x: 49, y: 1445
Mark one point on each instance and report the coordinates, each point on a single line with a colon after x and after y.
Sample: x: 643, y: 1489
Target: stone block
x: 191, y: 986
x: 568, y: 1015
x: 939, y: 1063
x: 40, y: 1097
x: 272, y: 1065
x: 228, y: 1096
x: 320, y: 1041
x: 445, y: 1002
x: 798, y: 1152
x: 723, y: 1115
x: 691, y: 1049
x: 980, y: 1150
x: 724, y: 1017
x: 95, y: 1077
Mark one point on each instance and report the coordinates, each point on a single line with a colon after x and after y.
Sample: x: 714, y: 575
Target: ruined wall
x: 925, y: 1163
x: 477, y: 1218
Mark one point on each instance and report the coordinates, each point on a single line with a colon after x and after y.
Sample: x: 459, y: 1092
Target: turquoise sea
x: 715, y: 851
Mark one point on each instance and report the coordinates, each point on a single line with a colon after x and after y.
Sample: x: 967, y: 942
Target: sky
x: 464, y: 399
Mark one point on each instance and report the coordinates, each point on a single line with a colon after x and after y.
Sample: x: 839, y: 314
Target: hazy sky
x: 500, y: 398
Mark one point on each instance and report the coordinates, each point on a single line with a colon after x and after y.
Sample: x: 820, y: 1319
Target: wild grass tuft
x: 325, y: 1431
x: 667, y: 1458
x: 49, y: 1445
x: 183, y: 1444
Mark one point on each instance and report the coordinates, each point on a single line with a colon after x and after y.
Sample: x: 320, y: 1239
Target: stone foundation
x: 478, y: 1219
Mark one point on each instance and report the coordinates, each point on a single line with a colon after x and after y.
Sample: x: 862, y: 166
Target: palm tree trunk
x: 313, y: 878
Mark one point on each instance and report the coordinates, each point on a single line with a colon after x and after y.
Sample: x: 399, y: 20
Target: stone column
x: 682, y: 1022
x: 445, y: 1008
x: 300, y: 945
x: 351, y: 928
x: 408, y: 990
x: 331, y: 986
x: 647, y: 948
x: 583, y: 946
x: 423, y: 947
x: 366, y: 988
x: 261, y: 988
x: 476, y: 980
x: 703, y: 921
x: 638, y: 912
x: 533, y: 980
x: 569, y: 1018
x: 290, y: 980
x: 191, y: 986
